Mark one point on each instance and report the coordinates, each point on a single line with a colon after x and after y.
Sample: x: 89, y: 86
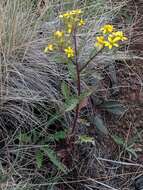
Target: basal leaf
x: 54, y: 159
x: 85, y: 94
x: 65, y: 89
x: 118, y: 140
x: 55, y: 117
x: 113, y: 107
x: 59, y: 135
x: 100, y: 125
x: 25, y: 138
x: 72, y: 70
x: 132, y: 151
x: 39, y: 158
x: 71, y: 103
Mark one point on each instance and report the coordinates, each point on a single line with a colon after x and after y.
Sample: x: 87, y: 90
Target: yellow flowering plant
x: 66, y: 42
x: 110, y: 37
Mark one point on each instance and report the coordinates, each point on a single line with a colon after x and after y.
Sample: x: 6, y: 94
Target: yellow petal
x: 124, y: 38
x: 110, y: 46
x: 116, y: 39
x: 107, y: 43
x: 116, y: 45
x: 81, y: 22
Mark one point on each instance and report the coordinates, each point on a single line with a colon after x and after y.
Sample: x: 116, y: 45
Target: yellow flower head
x: 69, y: 14
x: 112, y: 41
x: 69, y: 52
x: 120, y: 35
x: 59, y: 34
x: 81, y: 22
x: 72, y: 19
x: 108, y: 28
x: 50, y: 47
x: 69, y: 28
x: 100, y: 41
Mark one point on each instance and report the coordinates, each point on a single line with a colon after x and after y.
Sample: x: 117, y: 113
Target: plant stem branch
x: 88, y: 62
x: 78, y: 83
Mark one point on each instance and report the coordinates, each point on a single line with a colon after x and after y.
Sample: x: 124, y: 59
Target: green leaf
x: 118, y: 140
x: 23, y: 137
x: 132, y: 151
x: 72, y: 70
x: 59, y: 135
x: 3, y: 178
x: 113, y: 107
x: 65, y: 89
x: 86, y: 139
x: 54, y: 159
x: 84, y: 95
x: 58, y: 58
x: 39, y: 158
x: 100, y: 125
x: 53, y: 118
x: 92, y: 53
x: 71, y: 103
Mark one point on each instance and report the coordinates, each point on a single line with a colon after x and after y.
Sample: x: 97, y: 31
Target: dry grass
x: 27, y: 76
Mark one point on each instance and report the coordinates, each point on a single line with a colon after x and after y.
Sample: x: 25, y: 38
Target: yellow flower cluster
x: 110, y: 37
x: 108, y: 28
x: 69, y: 52
x: 72, y: 19
x: 59, y: 34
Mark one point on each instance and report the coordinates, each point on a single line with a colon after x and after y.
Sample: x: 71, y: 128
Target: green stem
x: 88, y: 62
x: 78, y: 83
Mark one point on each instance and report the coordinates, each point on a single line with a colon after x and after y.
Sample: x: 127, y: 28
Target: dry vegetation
x: 34, y: 152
